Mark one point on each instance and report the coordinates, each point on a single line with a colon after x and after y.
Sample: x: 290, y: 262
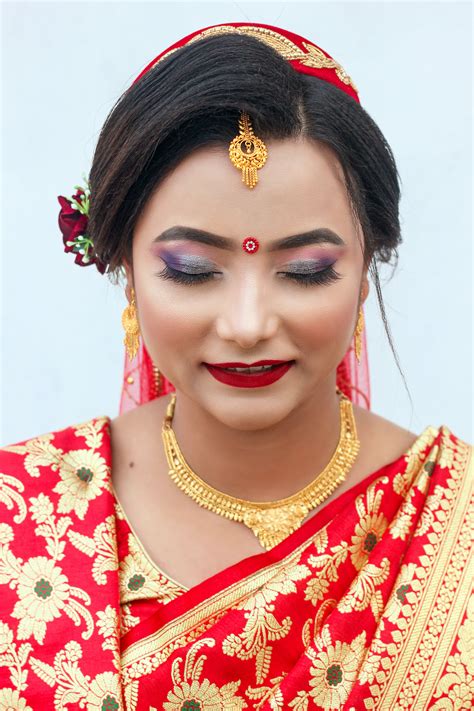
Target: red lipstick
x: 249, y: 380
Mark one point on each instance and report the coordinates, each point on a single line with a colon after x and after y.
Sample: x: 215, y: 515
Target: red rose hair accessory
x: 73, y: 220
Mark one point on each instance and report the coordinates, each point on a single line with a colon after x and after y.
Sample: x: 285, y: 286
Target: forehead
x: 301, y: 185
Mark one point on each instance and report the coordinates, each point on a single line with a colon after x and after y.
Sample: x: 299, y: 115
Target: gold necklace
x: 270, y: 521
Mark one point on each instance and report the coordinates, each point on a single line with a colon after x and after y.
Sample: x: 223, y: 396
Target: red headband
x: 303, y: 55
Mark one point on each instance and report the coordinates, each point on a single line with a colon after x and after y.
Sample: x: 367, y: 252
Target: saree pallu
x: 367, y: 605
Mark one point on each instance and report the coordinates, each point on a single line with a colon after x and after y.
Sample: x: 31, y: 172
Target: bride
x: 246, y: 533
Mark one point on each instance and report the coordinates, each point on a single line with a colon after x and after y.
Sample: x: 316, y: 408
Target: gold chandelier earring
x: 358, y: 334
x: 132, y: 328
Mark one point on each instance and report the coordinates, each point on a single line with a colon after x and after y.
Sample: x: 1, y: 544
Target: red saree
x: 365, y: 606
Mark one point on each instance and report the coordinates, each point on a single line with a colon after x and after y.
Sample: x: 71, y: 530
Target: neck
x: 260, y: 464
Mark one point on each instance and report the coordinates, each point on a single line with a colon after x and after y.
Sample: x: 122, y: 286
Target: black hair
x: 194, y: 98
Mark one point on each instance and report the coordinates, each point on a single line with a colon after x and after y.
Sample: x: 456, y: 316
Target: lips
x: 249, y: 380
x: 247, y: 365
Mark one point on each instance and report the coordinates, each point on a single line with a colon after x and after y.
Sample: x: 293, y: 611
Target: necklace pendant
x: 273, y: 525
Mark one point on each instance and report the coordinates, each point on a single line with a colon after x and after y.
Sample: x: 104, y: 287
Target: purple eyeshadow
x: 183, y: 262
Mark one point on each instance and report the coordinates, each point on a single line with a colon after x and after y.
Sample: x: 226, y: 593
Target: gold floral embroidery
x: 414, y: 458
x: 108, y: 626
x: 72, y: 686
x: 455, y: 688
x: 371, y: 526
x: 401, y: 524
x: 452, y: 456
x: 12, y: 658
x: 327, y: 565
x: 268, y: 694
x: 312, y: 57
x: 191, y: 693
x: 42, y: 512
x: 101, y: 548
x: 92, y: 431
x: 397, y: 663
x: 84, y: 474
x: 44, y: 592
x: 363, y: 591
x: 10, y: 700
x: 262, y: 627
x: 139, y: 579
x: 43, y: 589
x: 9, y: 496
x: 333, y: 672
x: 402, y: 596
x: 39, y: 451
x: 127, y: 619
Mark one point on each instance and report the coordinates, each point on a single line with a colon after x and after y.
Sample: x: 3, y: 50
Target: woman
x: 280, y: 546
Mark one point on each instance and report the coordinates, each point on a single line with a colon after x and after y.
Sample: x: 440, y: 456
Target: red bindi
x: 250, y: 244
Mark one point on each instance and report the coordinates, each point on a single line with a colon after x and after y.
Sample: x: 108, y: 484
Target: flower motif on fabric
x: 73, y: 221
x: 403, y: 596
x: 83, y: 475
x: 102, y: 693
x: 370, y: 527
x: 139, y: 579
x: 365, y: 590
x: 261, y: 627
x: 108, y: 626
x: 14, y: 657
x: 333, y: 672
x: 101, y: 548
x: 11, y: 700
x: 191, y: 694
x: 44, y: 594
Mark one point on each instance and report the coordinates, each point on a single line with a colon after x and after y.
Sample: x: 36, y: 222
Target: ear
x: 129, y: 274
x: 364, y: 287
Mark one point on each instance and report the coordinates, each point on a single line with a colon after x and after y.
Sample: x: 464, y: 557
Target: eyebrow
x: 319, y: 235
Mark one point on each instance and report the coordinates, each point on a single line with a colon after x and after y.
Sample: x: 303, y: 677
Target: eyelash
x: 325, y: 276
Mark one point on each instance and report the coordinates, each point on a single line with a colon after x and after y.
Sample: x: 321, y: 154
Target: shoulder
x: 382, y: 441
x: 35, y: 457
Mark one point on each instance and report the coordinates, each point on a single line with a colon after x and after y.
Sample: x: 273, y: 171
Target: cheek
x: 326, y: 324
x: 166, y: 323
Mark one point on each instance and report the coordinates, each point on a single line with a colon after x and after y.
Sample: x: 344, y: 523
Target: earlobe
x: 365, y: 288
x: 129, y: 276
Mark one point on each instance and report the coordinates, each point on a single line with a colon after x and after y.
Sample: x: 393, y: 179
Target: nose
x: 246, y: 315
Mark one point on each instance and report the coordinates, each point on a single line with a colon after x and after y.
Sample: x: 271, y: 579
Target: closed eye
x: 323, y: 276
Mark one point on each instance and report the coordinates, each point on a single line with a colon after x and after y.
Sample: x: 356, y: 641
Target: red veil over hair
x: 140, y: 384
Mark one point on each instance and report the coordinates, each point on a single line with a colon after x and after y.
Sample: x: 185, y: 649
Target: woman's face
x: 250, y: 308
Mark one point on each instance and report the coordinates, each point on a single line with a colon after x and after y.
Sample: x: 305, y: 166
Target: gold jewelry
x: 132, y: 328
x: 157, y: 380
x: 247, y: 152
x: 270, y: 521
x: 358, y: 332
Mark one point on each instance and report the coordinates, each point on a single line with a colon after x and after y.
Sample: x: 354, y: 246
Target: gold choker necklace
x: 271, y: 521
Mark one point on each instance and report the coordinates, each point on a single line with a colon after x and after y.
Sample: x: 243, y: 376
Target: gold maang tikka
x: 358, y: 335
x: 247, y: 152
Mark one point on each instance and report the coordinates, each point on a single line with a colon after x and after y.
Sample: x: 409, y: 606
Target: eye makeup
x: 184, y: 267
x: 189, y: 263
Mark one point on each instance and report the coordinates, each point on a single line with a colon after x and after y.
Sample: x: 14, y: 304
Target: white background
x: 64, y: 64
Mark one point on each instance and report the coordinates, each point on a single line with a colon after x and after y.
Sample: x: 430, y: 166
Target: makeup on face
x: 194, y: 260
